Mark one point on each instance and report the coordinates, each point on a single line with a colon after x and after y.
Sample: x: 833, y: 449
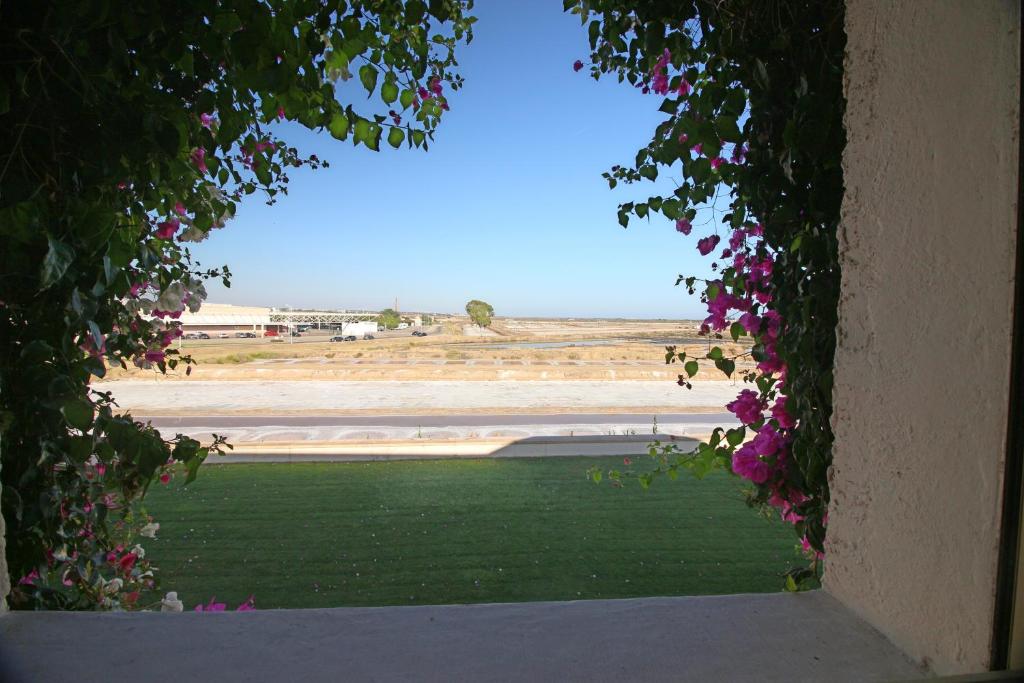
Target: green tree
x: 389, y: 319
x: 480, y: 312
x: 127, y: 131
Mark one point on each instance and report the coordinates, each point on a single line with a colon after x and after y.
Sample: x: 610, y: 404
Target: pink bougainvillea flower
x: 435, y: 85
x: 707, y: 244
x: 248, y: 606
x: 205, y: 119
x: 212, y: 606
x: 683, y: 137
x: 737, y: 239
x: 748, y: 465
x: 165, y: 478
x: 698, y: 148
x: 627, y: 462
x: 29, y: 579
x: 577, y: 65
x: 167, y: 229
x: 179, y: 208
x: 264, y: 144
x: 199, y: 159
x: 684, y: 87
x: 659, y: 77
x: 280, y: 113
x: 154, y: 356
x: 756, y: 230
x: 136, y: 288
x: 747, y: 407
x: 683, y: 226
x: 739, y: 154
x: 127, y: 561
x: 782, y: 415
x: 422, y: 92
x: 716, y: 162
x: 101, y: 469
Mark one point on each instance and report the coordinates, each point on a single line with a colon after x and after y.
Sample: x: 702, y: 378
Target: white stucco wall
x: 922, y: 363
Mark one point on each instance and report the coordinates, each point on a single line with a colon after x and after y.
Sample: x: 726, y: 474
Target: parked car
x: 245, y: 335
x: 418, y: 333
x: 223, y: 335
x: 190, y: 335
x: 296, y: 334
x: 368, y: 336
x: 337, y: 339
x: 350, y: 337
x: 203, y: 335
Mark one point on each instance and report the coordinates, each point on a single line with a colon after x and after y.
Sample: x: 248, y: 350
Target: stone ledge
x: 768, y: 637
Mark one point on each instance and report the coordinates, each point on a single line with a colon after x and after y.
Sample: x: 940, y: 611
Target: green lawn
x: 456, y: 531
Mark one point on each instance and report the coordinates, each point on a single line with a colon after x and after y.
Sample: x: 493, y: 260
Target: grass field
x: 456, y: 531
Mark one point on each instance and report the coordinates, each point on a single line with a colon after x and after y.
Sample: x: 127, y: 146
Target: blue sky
x: 508, y: 205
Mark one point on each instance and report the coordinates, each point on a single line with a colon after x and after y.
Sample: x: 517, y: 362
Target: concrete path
x: 422, y: 449
x: 162, y: 397
x: 246, y: 429
x: 734, y: 638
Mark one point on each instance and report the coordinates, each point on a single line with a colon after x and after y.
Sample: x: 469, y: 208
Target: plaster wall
x: 922, y: 364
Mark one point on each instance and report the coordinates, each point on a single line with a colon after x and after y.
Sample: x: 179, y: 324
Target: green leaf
x: 406, y: 98
x: 791, y: 584
x: 78, y: 413
x: 737, y: 331
x: 715, y: 353
x: 691, y: 367
x: 368, y: 77
x: 389, y: 92
x: 395, y: 137
x: 338, y: 126
x: 713, y: 291
x: 56, y: 262
x: 735, y: 436
x: 649, y: 171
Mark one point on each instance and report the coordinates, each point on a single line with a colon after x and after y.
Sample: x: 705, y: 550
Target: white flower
x: 149, y: 531
x: 113, y: 586
x: 139, y: 551
x: 171, y: 603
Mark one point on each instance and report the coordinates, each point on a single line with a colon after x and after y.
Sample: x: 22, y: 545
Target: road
x: 256, y: 397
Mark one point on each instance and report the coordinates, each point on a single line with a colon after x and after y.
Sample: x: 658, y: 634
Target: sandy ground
x: 169, y: 397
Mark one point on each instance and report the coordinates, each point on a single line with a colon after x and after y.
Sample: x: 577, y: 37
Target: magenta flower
x: 748, y: 465
x: 751, y: 323
x: 739, y: 154
x: 684, y: 87
x: 168, y: 228
x: 199, y: 159
x: 683, y: 226
x: 659, y: 79
x: 747, y: 407
x: 756, y: 230
x: 165, y: 478
x: 707, y: 244
x: 29, y: 579
x: 782, y: 414
x: 683, y: 137
x: 424, y: 95
x: 205, y: 119
x: 154, y: 356
x: 280, y: 113
x: 248, y: 606
x: 699, y: 148
x: 716, y: 162
x: 435, y: 85
x: 101, y: 469
x: 577, y: 65
x: 212, y: 606
x: 179, y: 208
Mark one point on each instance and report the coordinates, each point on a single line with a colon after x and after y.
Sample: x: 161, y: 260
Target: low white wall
x: 922, y: 363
